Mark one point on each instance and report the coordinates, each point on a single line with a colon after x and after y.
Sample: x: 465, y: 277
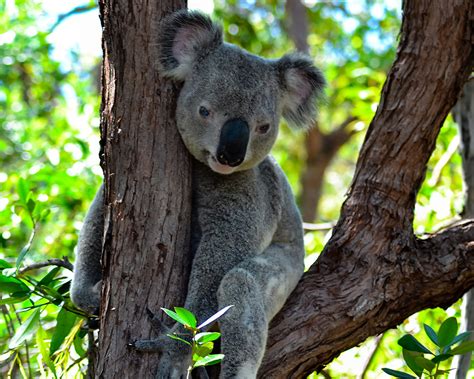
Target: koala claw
x: 158, y: 326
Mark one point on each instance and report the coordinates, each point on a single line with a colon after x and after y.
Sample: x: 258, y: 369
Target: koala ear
x: 301, y: 84
x: 184, y: 37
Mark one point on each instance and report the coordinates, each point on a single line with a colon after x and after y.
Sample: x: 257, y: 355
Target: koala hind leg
x: 86, y: 282
x: 258, y: 288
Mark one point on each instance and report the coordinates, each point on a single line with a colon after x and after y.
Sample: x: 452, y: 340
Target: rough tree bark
x: 374, y: 272
x: 463, y: 114
x: 147, y: 176
x: 321, y: 147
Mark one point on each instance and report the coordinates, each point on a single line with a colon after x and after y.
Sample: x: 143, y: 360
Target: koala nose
x: 233, y: 142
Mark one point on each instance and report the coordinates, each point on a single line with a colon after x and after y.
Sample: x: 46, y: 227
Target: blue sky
x: 82, y: 32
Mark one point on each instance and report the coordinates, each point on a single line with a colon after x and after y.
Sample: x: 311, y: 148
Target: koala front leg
x: 258, y: 287
x: 215, y: 256
x: 86, y: 282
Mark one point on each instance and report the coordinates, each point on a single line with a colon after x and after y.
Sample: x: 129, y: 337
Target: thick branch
x: 373, y: 272
x: 364, y: 297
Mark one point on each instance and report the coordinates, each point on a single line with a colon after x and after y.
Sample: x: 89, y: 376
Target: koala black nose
x: 233, y: 142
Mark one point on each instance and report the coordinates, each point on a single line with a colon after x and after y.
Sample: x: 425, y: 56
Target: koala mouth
x: 219, y: 167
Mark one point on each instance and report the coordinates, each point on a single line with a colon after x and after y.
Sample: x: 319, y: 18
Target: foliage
x: 202, y: 343
x: 447, y: 344
x: 49, y: 117
x: 47, y: 178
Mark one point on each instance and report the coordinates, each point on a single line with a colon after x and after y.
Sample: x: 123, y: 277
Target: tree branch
x: 50, y: 262
x: 365, y: 297
x: 77, y: 10
x: 374, y: 272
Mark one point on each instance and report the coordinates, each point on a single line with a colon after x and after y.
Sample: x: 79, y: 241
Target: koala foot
x: 150, y: 346
x: 87, y: 298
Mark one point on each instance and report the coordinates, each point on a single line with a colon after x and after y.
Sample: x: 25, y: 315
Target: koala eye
x: 262, y: 129
x: 204, y: 112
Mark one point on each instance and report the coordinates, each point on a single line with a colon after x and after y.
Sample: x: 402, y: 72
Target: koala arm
x: 86, y: 282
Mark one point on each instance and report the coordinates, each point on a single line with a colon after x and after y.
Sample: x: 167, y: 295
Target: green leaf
x: 206, y: 337
x: 447, y: 331
x: 211, y: 359
x: 64, y: 323
x: 14, y: 300
x: 214, y: 317
x: 398, y: 374
x: 40, y: 338
x: 78, y: 345
x: 49, y: 276
x: 460, y: 337
x: 4, y: 264
x: 426, y: 364
x: 187, y: 316
x: 9, y: 284
x: 58, y: 298
x: 441, y: 358
x: 26, y: 330
x: 23, y: 189
x: 44, y: 214
x: 411, y: 343
x: 431, y: 334
x: 463, y: 348
x: 25, y: 249
x: 30, y: 205
x: 409, y: 357
x: 177, y: 338
x: 174, y: 316
x: 204, y: 349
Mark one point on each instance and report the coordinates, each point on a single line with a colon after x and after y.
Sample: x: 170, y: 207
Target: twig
x: 78, y: 10
x: 370, y: 359
x: 50, y: 262
x: 318, y: 227
x: 443, y: 161
x: 325, y: 374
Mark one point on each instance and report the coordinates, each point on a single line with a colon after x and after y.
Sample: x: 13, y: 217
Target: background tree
x: 464, y: 115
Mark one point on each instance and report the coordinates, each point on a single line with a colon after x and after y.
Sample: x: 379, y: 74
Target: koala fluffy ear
x: 301, y: 84
x: 184, y: 37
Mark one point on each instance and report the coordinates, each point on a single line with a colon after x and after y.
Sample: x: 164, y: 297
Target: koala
x: 247, y: 237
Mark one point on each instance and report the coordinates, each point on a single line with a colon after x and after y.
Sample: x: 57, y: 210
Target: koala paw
x: 175, y: 356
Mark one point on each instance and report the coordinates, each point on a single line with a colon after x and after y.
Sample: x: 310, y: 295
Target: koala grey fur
x: 246, y: 229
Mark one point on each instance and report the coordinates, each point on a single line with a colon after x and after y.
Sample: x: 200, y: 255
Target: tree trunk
x: 374, y: 272
x: 464, y: 115
x: 148, y: 190
x: 321, y: 148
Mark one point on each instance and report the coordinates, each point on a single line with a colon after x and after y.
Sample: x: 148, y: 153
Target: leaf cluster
x: 202, y: 343
x: 447, y: 344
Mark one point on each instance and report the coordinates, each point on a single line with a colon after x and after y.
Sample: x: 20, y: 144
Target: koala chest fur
x: 247, y: 236
x: 244, y: 207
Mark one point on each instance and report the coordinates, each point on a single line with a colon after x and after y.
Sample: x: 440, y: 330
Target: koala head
x: 231, y: 101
